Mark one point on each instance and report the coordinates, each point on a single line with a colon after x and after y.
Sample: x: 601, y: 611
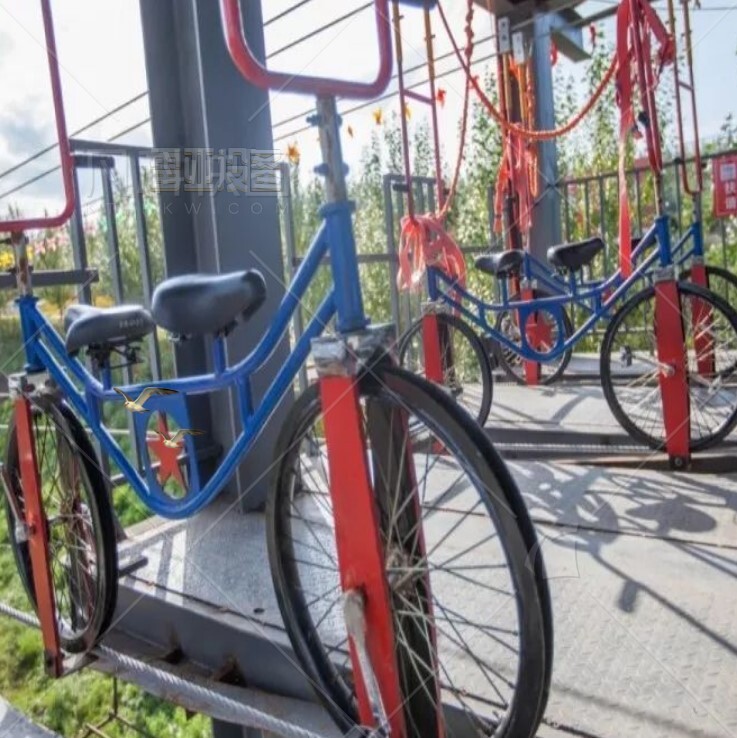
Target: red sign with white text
x: 725, y: 186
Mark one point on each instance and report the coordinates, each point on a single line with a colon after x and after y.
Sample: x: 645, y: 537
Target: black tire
x: 54, y: 423
x: 498, y: 497
x: 513, y: 364
x: 634, y: 399
x: 473, y: 389
x: 722, y: 282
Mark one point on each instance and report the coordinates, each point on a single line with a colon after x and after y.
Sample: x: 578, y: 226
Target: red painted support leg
x: 38, y: 539
x: 432, y: 348
x: 674, y: 372
x: 438, y: 356
x: 533, y: 330
x: 701, y: 321
x: 360, y: 552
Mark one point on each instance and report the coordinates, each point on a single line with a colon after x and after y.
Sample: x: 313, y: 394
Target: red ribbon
x: 424, y: 242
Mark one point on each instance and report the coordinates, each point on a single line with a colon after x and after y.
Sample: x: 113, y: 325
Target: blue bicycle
x: 532, y: 326
x: 404, y: 562
x: 570, y: 278
x: 670, y: 347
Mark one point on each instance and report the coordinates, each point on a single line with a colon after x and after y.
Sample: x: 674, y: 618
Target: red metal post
x: 535, y: 330
x: 358, y: 541
x: 38, y: 538
x: 17, y: 225
x: 701, y: 322
x: 432, y: 347
x: 673, y: 376
x: 257, y: 74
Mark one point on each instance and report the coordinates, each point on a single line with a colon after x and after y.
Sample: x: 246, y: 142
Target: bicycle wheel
x: 81, y: 530
x: 630, y: 371
x: 492, y: 619
x: 722, y: 282
x: 466, y: 362
x: 512, y: 363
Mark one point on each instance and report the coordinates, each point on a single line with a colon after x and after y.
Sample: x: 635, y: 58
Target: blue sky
x: 101, y: 51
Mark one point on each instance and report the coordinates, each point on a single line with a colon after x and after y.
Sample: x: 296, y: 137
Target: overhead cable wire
x: 326, y: 27
x: 56, y: 168
x: 387, y: 96
x: 408, y: 71
x: 286, y: 12
x: 84, y: 128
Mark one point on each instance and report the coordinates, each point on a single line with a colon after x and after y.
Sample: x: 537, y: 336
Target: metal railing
x: 590, y: 206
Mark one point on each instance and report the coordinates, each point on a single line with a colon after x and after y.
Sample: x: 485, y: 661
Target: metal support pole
x: 546, y: 225
x: 391, y: 250
x: 79, y: 243
x: 201, y: 106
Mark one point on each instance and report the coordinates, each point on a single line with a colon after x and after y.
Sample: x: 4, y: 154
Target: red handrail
x: 22, y: 224
x: 256, y: 73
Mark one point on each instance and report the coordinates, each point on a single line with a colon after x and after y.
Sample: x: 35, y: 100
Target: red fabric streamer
x: 518, y: 169
x: 424, y: 242
x: 515, y: 168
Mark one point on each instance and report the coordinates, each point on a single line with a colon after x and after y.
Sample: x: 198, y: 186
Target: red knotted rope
x: 425, y: 242
x: 507, y: 125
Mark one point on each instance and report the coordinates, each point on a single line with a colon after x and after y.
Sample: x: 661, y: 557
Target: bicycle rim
x: 81, y: 532
x: 490, y: 610
x: 630, y: 370
x: 467, y: 368
x: 513, y: 364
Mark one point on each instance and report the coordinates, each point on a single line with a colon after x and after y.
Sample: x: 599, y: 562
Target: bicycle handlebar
x: 256, y: 73
x: 22, y: 224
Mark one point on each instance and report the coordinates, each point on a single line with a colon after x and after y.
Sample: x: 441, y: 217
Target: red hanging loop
x: 425, y: 242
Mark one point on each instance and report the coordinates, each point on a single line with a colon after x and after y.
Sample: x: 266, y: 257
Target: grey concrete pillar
x: 546, y: 224
x: 199, y: 101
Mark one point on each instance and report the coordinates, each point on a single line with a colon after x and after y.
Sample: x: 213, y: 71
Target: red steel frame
x: 38, y: 538
x: 701, y: 323
x: 35, y: 518
x: 257, y: 74
x: 673, y: 375
x: 438, y: 358
x: 23, y: 224
x: 669, y: 331
x: 433, y: 348
x: 701, y: 317
x: 360, y: 552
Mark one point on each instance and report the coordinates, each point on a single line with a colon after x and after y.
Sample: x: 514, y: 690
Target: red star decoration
x: 168, y: 457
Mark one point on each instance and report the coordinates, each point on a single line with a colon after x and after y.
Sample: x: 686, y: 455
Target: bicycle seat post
x: 338, y: 215
x: 333, y: 168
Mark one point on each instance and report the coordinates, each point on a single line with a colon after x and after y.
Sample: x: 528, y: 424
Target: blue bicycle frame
x: 597, y: 297
x: 534, y: 269
x: 45, y: 352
